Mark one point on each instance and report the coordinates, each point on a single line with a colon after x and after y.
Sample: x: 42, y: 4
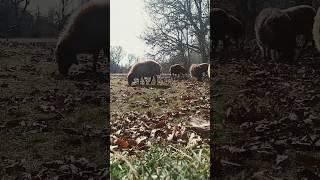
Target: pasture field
x: 50, y: 127
x: 159, y: 131
x: 266, y: 118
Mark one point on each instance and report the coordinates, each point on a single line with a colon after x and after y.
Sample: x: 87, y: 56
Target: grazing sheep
x: 86, y: 32
x: 316, y: 30
x: 219, y: 21
x: 274, y: 31
x: 303, y: 19
x: 197, y: 70
x: 144, y: 69
x: 177, y: 69
x: 235, y: 29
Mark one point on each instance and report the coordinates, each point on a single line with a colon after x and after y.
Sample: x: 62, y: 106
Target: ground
x: 159, y: 131
x: 266, y: 118
x: 50, y: 126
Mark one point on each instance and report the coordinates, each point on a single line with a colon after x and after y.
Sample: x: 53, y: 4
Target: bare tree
x: 19, y: 14
x: 178, y: 27
x: 62, y: 14
x: 132, y: 59
x: 116, y: 55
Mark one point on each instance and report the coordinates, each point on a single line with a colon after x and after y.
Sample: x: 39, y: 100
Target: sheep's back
x: 316, y: 30
x: 177, y: 68
x: 259, y: 22
x: 87, y: 29
x: 146, y: 69
x: 275, y: 30
x: 302, y: 18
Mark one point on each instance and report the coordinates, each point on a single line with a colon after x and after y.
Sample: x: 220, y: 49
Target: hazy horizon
x: 128, y: 21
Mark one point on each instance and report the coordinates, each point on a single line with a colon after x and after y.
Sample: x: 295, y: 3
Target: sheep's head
x: 64, y: 59
x: 130, y: 79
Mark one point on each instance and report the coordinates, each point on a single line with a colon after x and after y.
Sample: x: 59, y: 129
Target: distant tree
x: 36, y: 24
x: 132, y: 59
x: 178, y: 27
x: 62, y: 14
x: 116, y: 55
x: 19, y: 13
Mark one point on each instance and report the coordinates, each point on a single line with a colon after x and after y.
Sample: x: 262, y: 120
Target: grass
x: 162, y: 159
x: 162, y: 163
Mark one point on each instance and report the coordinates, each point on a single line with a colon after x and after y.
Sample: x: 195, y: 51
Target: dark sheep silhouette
x: 274, y: 31
x: 197, y: 70
x: 302, y: 18
x: 177, y: 69
x: 144, y: 69
x: 235, y: 29
x: 219, y: 21
x: 316, y: 30
x: 86, y: 32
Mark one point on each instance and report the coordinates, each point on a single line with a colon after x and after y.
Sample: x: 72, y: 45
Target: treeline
x: 17, y: 20
x: 118, y: 54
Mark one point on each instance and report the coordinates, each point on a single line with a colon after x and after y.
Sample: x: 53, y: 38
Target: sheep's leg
x: 265, y: 53
x: 214, y: 48
x: 302, y: 48
x: 269, y: 54
x: 151, y: 79
x: 313, y: 49
x: 155, y: 77
x: 144, y: 81
x: 139, y: 80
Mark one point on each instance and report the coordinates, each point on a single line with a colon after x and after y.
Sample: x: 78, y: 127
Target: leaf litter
x: 269, y: 113
x: 50, y: 127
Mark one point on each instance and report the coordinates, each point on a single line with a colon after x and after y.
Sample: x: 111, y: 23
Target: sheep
x: 219, y: 21
x: 303, y: 19
x: 235, y: 29
x: 177, y: 69
x: 197, y: 70
x: 144, y: 69
x: 86, y: 32
x: 274, y: 31
x: 316, y: 30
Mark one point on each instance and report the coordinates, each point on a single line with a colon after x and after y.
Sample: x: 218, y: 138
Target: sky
x: 127, y: 22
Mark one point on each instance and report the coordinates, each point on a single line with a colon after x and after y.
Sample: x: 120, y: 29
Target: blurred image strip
x: 264, y: 89
x: 54, y: 83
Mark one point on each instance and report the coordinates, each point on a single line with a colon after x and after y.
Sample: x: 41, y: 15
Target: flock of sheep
x: 152, y: 69
x: 275, y: 30
x: 86, y: 34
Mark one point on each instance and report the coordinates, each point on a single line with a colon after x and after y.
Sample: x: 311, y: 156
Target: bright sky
x: 128, y: 21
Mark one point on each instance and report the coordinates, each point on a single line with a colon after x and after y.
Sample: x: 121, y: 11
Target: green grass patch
x: 162, y: 163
